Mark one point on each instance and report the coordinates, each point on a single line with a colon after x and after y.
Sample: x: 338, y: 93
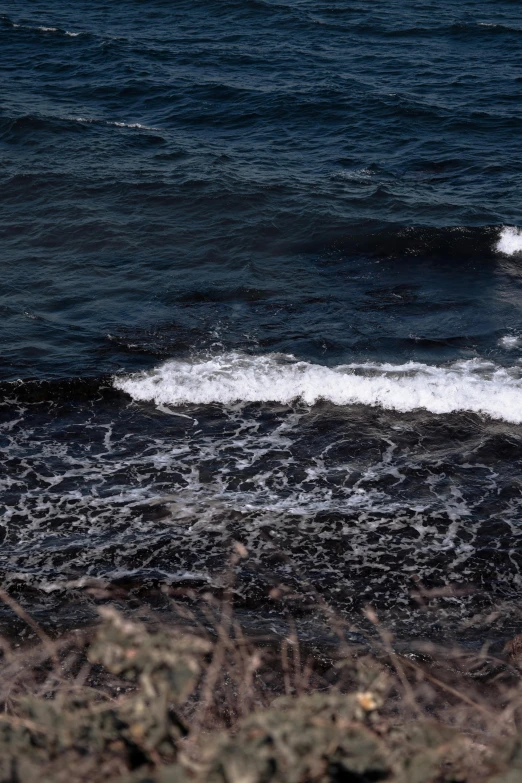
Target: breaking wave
x: 95, y: 121
x: 40, y: 28
x: 473, y: 385
x: 510, y: 241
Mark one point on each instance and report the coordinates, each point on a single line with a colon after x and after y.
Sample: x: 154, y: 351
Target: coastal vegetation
x: 135, y: 699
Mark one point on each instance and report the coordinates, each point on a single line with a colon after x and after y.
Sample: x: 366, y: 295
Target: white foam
x: 509, y: 341
x: 95, y: 121
x: 472, y: 385
x: 131, y: 125
x: 510, y: 241
x: 500, y: 26
x: 42, y: 29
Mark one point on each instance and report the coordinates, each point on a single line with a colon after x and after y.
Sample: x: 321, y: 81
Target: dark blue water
x: 273, y: 208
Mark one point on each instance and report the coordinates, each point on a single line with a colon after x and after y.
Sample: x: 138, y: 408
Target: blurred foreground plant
x: 138, y: 704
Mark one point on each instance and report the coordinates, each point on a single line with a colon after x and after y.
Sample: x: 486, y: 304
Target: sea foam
x: 510, y: 241
x: 471, y: 385
x: 96, y: 121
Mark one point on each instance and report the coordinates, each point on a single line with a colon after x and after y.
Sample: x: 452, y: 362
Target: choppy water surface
x: 261, y: 281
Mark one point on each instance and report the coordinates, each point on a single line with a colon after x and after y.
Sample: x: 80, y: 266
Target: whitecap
x: 510, y: 241
x: 507, y: 28
x: 43, y: 29
x: 509, y: 341
x: 94, y: 120
x: 132, y: 125
x: 472, y: 385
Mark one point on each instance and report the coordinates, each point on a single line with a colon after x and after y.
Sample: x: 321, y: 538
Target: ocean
x: 261, y: 282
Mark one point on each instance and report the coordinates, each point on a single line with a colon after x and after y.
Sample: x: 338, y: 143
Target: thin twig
x: 394, y: 658
x: 454, y: 691
x: 23, y: 615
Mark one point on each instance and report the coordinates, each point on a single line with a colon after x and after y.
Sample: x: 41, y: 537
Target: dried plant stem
x: 454, y: 691
x: 395, y: 660
x: 48, y: 644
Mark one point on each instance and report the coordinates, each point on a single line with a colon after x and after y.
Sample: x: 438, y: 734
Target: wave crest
x: 510, y: 241
x: 473, y: 385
